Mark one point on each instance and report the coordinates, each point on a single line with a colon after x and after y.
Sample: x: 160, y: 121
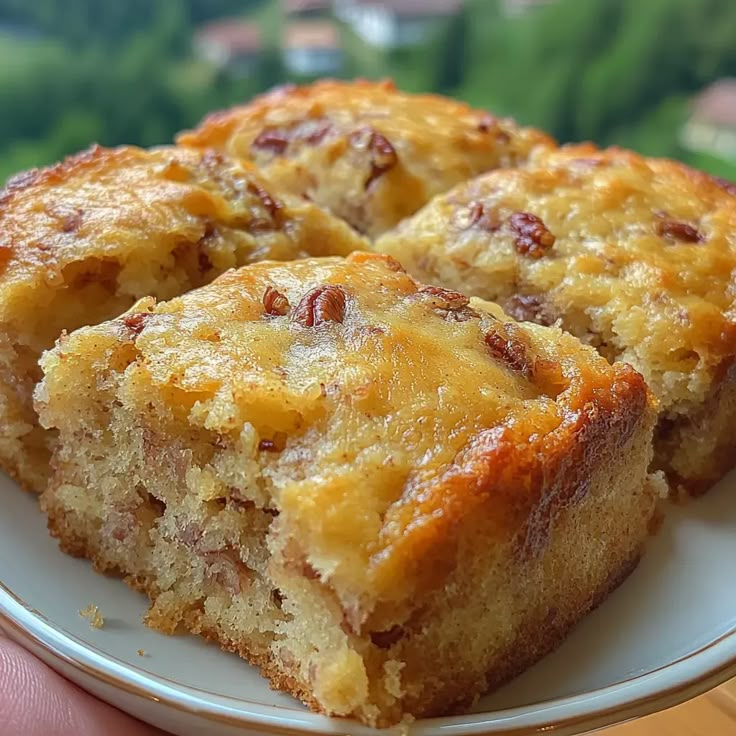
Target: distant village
x: 263, y: 42
x: 311, y: 41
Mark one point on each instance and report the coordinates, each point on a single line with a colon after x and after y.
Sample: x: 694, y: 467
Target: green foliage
x: 452, y: 53
x: 79, y: 21
x: 587, y: 70
x: 613, y: 71
x: 711, y: 164
x: 111, y: 77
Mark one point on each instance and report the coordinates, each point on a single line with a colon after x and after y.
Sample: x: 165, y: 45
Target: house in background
x: 232, y: 44
x: 711, y: 127
x: 394, y: 23
x: 312, y: 49
x: 306, y: 9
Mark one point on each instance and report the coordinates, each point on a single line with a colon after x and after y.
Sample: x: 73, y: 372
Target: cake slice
x: 368, y: 152
x: 635, y: 256
x: 81, y: 241
x: 387, y: 497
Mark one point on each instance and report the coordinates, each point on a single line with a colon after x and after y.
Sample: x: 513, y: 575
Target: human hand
x: 35, y: 701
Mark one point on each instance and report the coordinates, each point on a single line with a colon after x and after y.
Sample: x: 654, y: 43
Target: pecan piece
x: 383, y: 156
x: 226, y: 569
x: 274, y: 302
x: 445, y: 298
x: 486, y: 122
x: 386, y: 639
x: 321, y: 304
x: 189, y: 534
x: 452, y: 305
x: 313, y: 132
x: 136, y: 322
x: 276, y: 444
x: 507, y: 345
x: 272, y: 206
x: 275, y: 140
x: 682, y: 231
x: 532, y: 237
x: 72, y: 222
x: 121, y: 526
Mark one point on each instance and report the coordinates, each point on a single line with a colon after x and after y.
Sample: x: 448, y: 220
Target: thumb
x: 35, y: 701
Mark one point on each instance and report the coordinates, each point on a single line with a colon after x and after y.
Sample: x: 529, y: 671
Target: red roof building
x: 712, y: 124
x: 232, y: 43
x: 312, y: 48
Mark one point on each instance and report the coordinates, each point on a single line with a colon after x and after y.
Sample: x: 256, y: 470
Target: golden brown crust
x: 82, y: 240
x: 633, y: 255
x: 515, y: 477
x: 52, y: 174
x: 592, y: 543
x: 123, y: 203
x: 368, y: 152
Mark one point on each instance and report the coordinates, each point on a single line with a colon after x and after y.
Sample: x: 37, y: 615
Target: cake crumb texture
x: 93, y: 615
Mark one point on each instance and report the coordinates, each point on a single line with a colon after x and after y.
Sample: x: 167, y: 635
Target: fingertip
x: 36, y: 701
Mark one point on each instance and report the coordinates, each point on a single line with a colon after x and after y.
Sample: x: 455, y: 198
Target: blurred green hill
x: 611, y: 71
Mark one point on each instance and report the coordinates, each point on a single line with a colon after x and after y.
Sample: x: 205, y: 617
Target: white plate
x: 667, y: 634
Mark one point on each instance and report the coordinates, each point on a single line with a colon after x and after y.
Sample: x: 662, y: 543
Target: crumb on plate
x: 93, y: 615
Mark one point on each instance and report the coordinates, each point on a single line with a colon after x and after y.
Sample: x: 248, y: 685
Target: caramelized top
x: 636, y: 256
x: 384, y: 411
x: 368, y: 152
x: 112, y: 226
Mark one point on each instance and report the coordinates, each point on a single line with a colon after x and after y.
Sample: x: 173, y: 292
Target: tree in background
x: 81, y: 22
x: 123, y: 72
x: 611, y: 71
x: 118, y: 76
x: 452, y: 61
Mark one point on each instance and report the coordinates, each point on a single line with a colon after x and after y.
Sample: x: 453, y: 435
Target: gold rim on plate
x: 13, y: 609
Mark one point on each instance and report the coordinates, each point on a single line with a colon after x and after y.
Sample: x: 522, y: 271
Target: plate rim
x: 675, y: 682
